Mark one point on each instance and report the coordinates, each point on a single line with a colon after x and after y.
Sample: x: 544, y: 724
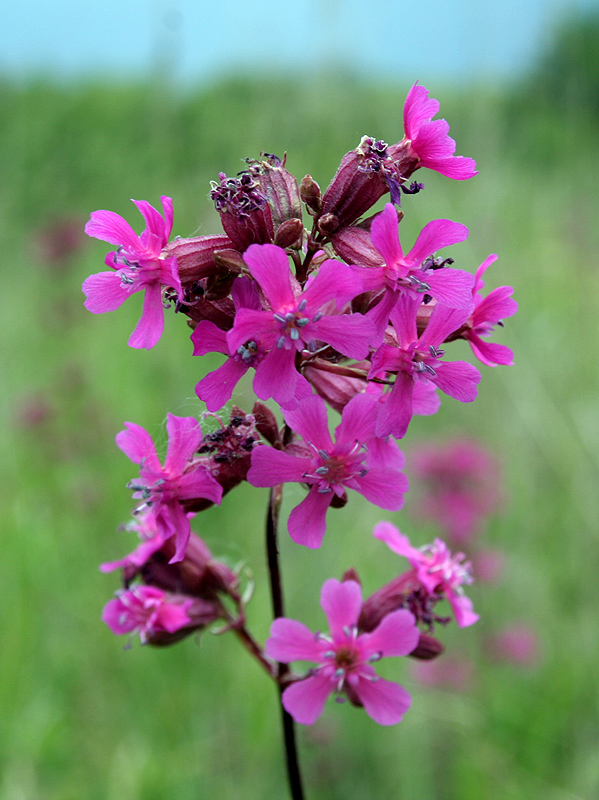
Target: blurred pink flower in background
x: 488, y: 565
x: 516, y: 644
x: 449, y: 672
x: 461, y: 483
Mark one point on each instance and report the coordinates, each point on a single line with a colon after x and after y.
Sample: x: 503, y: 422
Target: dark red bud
x: 229, y: 259
x: 427, y: 648
x: 328, y: 224
x: 290, y: 233
x: 266, y: 423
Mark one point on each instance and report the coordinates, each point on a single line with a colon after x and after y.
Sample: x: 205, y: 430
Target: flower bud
x: 290, y: 233
x: 354, y: 245
x: 427, y: 648
x: 388, y: 598
x: 311, y: 194
x: 336, y: 389
x: 196, y: 256
x: 199, y: 574
x: 351, y: 575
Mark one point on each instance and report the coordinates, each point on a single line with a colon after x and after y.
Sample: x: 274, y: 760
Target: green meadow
x: 82, y: 717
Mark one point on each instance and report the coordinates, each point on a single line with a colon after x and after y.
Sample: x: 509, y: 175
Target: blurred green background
x: 81, y: 717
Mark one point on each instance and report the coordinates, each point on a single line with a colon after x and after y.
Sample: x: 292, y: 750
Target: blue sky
x: 196, y: 41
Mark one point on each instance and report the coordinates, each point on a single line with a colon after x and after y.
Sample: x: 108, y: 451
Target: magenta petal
x: 462, y: 608
x: 350, y: 335
x: 217, y: 387
x: 305, y: 699
x: 106, y: 292
x: 458, y: 379
x: 184, y: 437
x: 418, y: 109
x: 386, y: 702
x: 172, y: 617
x: 490, y: 353
x: 271, y: 467
x: 199, y: 483
x: 276, y: 376
x: 396, y: 541
x: 443, y: 321
x: 269, y: 265
x: 396, y: 635
x: 149, y: 328
x: 425, y: 400
x: 459, y: 168
x: 177, y: 521
x: 290, y: 640
x: 307, y: 522
x: 118, y: 617
x: 403, y: 317
x: 453, y: 287
x: 155, y: 227
x: 478, y: 275
x: 136, y: 443
x: 384, y: 488
x: 396, y: 412
x: 341, y: 601
x: 245, y: 294
x: 334, y: 281
x: 384, y: 235
x: 436, y: 234
x: 207, y: 338
x: 112, y: 228
x: 310, y: 420
x: 357, y: 419
x: 251, y: 325
x: 497, y: 305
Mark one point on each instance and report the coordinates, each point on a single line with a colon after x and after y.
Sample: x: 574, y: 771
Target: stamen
x: 302, y: 305
x: 281, y: 343
x: 302, y: 321
x: 280, y: 318
x: 323, y: 454
x: 294, y: 334
x: 321, y: 470
x: 324, y: 490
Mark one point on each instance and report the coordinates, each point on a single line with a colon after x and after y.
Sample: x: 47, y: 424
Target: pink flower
x: 461, y: 486
x: 357, y: 460
x: 146, y: 611
x: 419, y: 359
x: 518, y: 644
x: 296, y: 320
x: 344, y: 658
x: 436, y: 569
x: 488, y: 312
x: 415, y: 273
x: 450, y: 672
x: 429, y: 139
x: 217, y: 387
x: 162, y: 488
x: 138, y: 264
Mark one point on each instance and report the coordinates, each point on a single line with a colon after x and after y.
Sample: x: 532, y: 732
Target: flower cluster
x: 338, y: 313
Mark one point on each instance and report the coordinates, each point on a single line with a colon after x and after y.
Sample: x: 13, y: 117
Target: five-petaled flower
x: 436, y: 569
x: 162, y: 488
x: 137, y: 264
x: 344, y: 658
x: 356, y: 460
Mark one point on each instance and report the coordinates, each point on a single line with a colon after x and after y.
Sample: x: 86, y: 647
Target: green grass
x: 83, y: 718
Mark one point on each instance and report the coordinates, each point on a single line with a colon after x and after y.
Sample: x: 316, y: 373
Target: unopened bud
x: 354, y: 245
x: 427, y: 648
x: 280, y: 189
x: 289, y: 233
x: 337, y: 389
x: 311, y: 194
x: 328, y: 224
x: 266, y: 423
x: 196, y: 256
x: 230, y: 260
